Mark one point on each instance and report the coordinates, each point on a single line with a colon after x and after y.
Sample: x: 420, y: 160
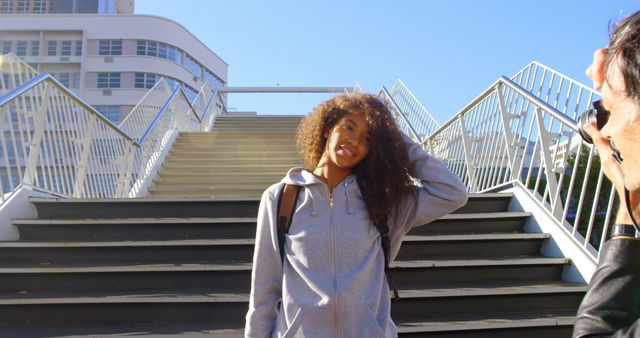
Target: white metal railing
x: 403, y: 122
x: 522, y: 131
x: 54, y: 141
x: 414, y: 112
x: 14, y: 72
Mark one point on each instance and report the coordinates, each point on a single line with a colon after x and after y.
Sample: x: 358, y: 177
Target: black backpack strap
x: 286, y: 207
x: 385, y: 242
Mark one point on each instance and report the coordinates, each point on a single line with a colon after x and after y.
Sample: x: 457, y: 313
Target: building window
x: 35, y: 48
x: 86, y: 6
x: 145, y: 80
x: 78, y: 47
x: 66, y: 48
x: 108, y: 80
x: 212, y: 80
x: 23, y: 6
x: 152, y: 48
x: 5, y: 7
x: 52, y: 48
x: 62, y: 6
x: 162, y: 50
x: 75, y: 80
x: 63, y: 78
x: 21, y: 48
x: 193, y: 66
x: 190, y: 92
x: 7, y: 46
x: 110, y: 47
x: 39, y: 6
x: 159, y: 49
x: 110, y: 112
x: 175, y: 55
x: 141, y: 47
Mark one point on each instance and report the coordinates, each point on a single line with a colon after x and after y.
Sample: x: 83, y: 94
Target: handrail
x: 569, y: 122
x: 40, y: 78
x: 424, y: 111
x: 164, y: 108
x: 54, y: 141
x: 521, y: 134
x: 538, y: 64
x: 211, y: 100
x: 159, y: 114
x: 384, y: 91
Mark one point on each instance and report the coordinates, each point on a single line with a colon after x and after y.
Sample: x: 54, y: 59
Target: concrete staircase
x: 242, y: 156
x: 175, y: 265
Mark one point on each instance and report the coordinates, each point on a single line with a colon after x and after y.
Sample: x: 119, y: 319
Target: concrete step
x: 257, y: 128
x: 455, y: 304
x: 520, y: 326
x: 222, y: 161
x: 471, y: 273
x: 222, y: 311
x: 514, y: 326
x: 234, y: 153
x: 225, y: 181
x: 205, y: 251
x: 480, y: 223
x: 276, y: 175
x: 60, y: 208
x: 229, y: 251
x: 238, y: 147
x: 175, y: 191
x: 508, y: 327
x: 228, y: 167
x: 229, y: 308
x: 195, y: 182
x: 158, y: 278
x: 487, y: 202
x: 471, y: 246
x: 135, y: 229
x: 124, y: 330
x: 30, y: 278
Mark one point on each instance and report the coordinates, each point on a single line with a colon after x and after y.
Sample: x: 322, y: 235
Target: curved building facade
x: 111, y: 61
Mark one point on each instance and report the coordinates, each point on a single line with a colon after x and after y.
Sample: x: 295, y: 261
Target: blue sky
x: 447, y: 51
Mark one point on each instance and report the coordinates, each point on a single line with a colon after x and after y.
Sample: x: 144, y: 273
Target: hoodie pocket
x: 295, y: 325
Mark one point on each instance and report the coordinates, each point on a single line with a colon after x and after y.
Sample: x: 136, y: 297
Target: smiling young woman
x: 358, y: 174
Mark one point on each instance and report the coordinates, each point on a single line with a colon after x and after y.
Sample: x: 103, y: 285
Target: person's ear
x: 596, y: 71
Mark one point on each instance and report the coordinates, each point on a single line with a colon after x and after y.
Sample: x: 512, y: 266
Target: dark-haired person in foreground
x: 611, y: 307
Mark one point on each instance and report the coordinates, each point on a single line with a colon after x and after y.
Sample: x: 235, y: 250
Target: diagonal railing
x: 54, y: 141
x: 415, y: 114
x: 522, y: 131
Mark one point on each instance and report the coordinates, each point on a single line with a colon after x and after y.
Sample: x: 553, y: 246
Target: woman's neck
x: 330, y: 174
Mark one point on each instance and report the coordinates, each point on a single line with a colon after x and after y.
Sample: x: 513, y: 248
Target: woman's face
x: 348, y: 141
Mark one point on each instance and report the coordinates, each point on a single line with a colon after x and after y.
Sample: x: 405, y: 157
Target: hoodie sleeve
x: 439, y: 192
x: 266, y: 277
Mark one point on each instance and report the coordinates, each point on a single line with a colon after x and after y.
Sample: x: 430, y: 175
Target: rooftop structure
x: 66, y: 6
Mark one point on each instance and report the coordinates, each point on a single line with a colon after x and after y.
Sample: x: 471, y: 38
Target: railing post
x: 40, y: 120
x: 512, y: 147
x: 124, y: 180
x: 469, y: 159
x: 552, y: 182
x: 84, y: 158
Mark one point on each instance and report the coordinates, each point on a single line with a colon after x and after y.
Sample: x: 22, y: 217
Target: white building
x: 109, y: 57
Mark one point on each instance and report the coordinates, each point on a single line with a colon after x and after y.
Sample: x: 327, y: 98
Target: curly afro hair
x: 383, y: 175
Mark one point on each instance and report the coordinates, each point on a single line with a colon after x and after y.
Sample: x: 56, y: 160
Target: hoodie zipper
x: 332, y: 254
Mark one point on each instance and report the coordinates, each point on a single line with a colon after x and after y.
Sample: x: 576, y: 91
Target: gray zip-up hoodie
x: 333, y: 283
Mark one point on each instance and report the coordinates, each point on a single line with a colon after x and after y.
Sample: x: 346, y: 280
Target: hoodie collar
x: 305, y: 178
